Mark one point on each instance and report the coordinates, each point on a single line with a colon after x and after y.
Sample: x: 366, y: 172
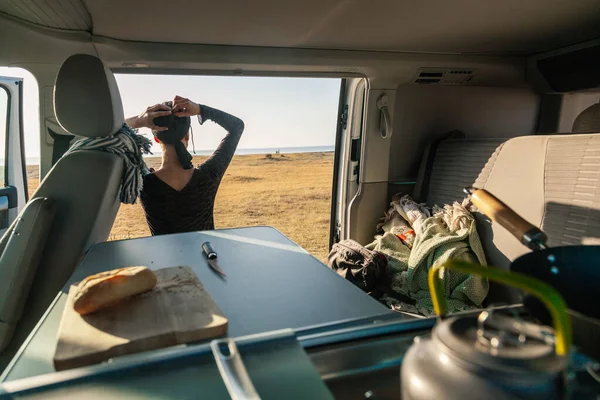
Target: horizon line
x: 242, y: 149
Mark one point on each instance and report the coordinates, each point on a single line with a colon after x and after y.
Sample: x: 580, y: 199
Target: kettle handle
x: 546, y: 293
x: 530, y: 235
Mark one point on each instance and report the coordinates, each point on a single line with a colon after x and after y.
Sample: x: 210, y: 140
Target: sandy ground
x: 290, y: 192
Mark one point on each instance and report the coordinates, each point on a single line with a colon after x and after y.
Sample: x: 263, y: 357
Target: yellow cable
x: 546, y: 293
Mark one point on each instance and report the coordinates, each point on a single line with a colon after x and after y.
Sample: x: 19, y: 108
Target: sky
x: 277, y: 112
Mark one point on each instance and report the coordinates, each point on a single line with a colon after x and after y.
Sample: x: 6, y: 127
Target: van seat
x: 553, y: 181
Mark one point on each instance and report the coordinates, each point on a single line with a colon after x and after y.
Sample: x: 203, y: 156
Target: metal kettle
x: 490, y: 355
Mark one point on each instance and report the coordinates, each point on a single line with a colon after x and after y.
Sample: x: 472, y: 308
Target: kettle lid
x: 495, y: 341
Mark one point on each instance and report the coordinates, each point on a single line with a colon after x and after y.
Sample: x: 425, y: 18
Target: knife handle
x: 208, y: 251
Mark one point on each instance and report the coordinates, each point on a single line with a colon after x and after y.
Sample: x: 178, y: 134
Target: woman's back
x: 189, y: 209
x: 177, y: 178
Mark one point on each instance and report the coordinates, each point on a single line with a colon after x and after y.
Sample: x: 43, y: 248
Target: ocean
x: 264, y: 150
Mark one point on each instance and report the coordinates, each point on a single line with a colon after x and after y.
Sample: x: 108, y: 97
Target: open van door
x: 13, y: 174
x: 347, y: 154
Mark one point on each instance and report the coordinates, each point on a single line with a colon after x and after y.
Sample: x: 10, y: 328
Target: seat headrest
x: 588, y: 121
x: 86, y: 97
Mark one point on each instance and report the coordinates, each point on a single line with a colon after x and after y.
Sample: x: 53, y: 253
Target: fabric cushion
x: 552, y: 181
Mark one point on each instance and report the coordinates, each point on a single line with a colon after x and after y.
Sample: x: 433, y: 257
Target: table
x: 272, y: 283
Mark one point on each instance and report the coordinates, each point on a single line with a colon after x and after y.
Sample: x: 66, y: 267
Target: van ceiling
x: 434, y: 26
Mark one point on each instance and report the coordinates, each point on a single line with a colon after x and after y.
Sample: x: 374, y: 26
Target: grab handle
x: 546, y: 293
x: 232, y: 369
x: 385, y: 119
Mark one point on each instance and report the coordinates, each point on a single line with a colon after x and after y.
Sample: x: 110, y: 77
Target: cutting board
x: 178, y: 310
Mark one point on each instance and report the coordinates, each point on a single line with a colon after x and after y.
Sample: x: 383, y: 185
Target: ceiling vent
x: 444, y: 76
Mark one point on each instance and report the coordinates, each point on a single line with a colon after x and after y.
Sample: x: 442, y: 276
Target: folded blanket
x: 447, y: 234
x: 128, y: 145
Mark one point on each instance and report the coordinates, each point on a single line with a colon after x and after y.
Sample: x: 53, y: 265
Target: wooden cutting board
x: 178, y: 310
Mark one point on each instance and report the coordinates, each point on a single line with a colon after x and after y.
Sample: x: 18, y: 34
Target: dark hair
x: 178, y: 128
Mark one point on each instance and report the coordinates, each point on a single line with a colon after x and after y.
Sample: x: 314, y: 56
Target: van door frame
x: 14, y: 195
x: 347, y: 154
x: 342, y: 123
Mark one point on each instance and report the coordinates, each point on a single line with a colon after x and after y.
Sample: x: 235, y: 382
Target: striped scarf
x: 128, y: 145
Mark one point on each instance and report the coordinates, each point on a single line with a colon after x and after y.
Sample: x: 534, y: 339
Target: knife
x: 211, y: 256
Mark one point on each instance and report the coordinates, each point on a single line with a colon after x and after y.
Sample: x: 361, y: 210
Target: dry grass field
x: 290, y: 192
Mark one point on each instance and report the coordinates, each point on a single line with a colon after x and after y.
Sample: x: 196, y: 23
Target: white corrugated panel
x: 60, y: 14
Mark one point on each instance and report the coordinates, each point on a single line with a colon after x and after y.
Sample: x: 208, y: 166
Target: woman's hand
x: 183, y: 107
x: 146, y: 119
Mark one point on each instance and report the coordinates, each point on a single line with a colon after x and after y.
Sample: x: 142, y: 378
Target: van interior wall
x: 373, y: 175
x: 424, y: 113
x: 572, y: 105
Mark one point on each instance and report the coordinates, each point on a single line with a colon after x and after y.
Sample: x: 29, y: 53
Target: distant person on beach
x: 178, y: 197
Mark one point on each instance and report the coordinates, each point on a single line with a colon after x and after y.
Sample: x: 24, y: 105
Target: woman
x: 178, y: 197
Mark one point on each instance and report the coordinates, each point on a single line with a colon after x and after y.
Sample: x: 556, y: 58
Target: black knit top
x: 191, y: 209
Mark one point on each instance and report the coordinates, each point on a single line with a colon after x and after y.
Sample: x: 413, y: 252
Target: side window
x: 3, y: 130
x: 31, y: 124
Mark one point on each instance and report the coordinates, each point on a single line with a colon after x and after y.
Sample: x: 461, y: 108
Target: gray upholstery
x: 552, y: 181
x: 588, y: 121
x: 84, y: 186
x: 86, y: 98
x: 22, y: 246
x: 449, y: 177
x: 571, y: 190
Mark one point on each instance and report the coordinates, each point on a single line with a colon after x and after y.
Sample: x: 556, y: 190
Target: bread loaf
x: 108, y: 288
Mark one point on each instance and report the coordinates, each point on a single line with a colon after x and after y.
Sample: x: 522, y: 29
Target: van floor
x: 291, y: 192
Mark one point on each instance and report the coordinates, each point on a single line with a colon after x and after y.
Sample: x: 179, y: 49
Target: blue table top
x: 271, y: 284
